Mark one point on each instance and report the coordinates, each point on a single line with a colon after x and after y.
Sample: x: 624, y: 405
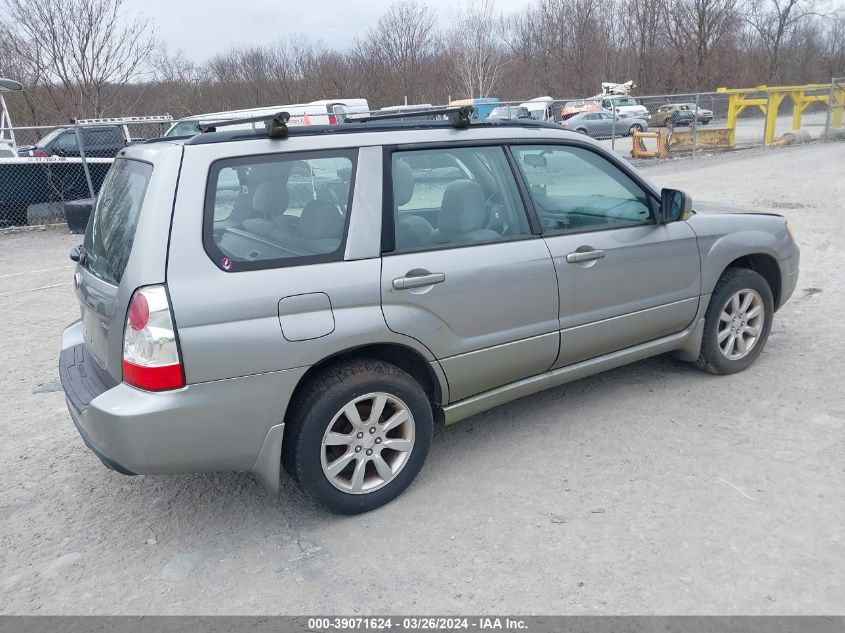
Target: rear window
x: 111, y: 229
x: 103, y: 137
x: 278, y: 210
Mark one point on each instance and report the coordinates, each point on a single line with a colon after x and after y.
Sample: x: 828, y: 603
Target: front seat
x: 319, y: 231
x: 463, y: 215
x: 412, y: 231
x: 270, y: 200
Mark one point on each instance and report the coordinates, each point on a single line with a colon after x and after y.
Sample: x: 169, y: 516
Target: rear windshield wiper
x: 78, y: 255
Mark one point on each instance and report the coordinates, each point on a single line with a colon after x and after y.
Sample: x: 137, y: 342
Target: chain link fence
x: 52, y: 174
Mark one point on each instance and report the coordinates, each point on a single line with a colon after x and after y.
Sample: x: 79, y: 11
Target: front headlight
x: 790, y: 230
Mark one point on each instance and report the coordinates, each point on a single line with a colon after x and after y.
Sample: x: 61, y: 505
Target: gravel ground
x: 652, y: 489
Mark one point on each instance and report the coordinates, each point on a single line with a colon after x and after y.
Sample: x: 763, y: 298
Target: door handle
x: 417, y: 281
x: 584, y: 256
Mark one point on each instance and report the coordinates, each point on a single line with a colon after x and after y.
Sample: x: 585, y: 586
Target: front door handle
x: 583, y: 256
x: 417, y: 281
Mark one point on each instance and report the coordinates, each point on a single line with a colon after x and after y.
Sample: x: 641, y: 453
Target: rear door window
x: 99, y: 138
x: 278, y: 210
x: 65, y: 143
x: 111, y: 229
x: 456, y: 196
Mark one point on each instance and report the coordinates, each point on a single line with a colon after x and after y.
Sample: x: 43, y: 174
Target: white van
x: 323, y: 112
x: 539, y: 108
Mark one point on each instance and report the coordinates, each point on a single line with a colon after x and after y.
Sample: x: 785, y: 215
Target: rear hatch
x: 108, y: 243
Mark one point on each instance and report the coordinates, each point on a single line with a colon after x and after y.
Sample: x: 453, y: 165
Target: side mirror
x: 674, y: 205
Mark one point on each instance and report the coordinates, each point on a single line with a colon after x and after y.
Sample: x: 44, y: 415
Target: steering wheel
x: 496, y: 217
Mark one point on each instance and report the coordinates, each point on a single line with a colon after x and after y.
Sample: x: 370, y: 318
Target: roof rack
x: 275, y: 125
x: 155, y: 118
x: 461, y: 121
x: 353, y: 127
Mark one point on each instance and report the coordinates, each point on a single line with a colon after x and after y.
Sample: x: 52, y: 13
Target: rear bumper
x: 224, y: 425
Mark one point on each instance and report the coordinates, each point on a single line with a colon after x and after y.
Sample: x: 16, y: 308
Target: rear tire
x: 635, y: 128
x: 357, y: 435
x: 737, y: 322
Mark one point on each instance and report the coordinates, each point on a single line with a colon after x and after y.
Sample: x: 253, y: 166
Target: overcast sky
x: 204, y: 27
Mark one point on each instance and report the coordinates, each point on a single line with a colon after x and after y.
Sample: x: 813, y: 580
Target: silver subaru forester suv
x: 319, y: 298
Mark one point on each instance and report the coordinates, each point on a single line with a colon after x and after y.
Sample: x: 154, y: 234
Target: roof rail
x: 463, y: 115
x: 275, y: 125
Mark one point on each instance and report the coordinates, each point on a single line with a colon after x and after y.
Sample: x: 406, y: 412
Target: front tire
x: 357, y: 435
x: 737, y: 322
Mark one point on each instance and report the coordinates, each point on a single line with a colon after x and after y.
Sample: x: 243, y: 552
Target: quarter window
x: 574, y: 189
x: 279, y: 210
x: 456, y: 196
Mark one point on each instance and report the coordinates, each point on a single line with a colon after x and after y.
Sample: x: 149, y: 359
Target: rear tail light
x: 332, y: 119
x: 39, y: 154
x: 151, y: 358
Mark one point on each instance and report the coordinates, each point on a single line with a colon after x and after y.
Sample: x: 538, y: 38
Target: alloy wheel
x: 367, y: 443
x: 740, y: 324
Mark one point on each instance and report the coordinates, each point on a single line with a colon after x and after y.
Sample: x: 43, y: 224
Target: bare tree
x: 475, y: 50
x: 698, y: 29
x: 399, y: 49
x: 183, y: 85
x: 833, y: 46
x: 644, y: 36
x: 773, y: 21
x: 86, y: 49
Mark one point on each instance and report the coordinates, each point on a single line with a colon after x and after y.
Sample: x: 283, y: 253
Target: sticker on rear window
x: 226, y: 263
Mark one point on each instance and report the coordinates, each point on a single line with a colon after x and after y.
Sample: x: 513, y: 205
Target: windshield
x: 625, y: 101
x: 184, y: 128
x: 111, y: 229
x: 49, y: 137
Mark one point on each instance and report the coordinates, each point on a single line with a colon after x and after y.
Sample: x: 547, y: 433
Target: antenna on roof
x: 276, y: 125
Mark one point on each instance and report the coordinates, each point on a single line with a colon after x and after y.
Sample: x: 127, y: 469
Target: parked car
x: 674, y: 115
x: 625, y: 106
x: 571, y: 108
x: 325, y: 111
x: 603, y: 124
x: 228, y: 324
x: 509, y: 112
x: 704, y: 115
x: 98, y: 141
x: 542, y: 108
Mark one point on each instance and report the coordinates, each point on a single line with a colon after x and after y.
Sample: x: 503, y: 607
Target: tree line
x: 88, y: 58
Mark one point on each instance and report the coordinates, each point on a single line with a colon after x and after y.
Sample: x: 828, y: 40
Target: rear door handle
x: 417, y: 281
x: 584, y: 256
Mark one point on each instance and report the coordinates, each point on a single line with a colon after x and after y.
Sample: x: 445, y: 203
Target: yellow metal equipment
x: 709, y: 138
x: 769, y: 98
x: 639, y: 149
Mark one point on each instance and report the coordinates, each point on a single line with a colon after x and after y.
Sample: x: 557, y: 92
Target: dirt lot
x: 651, y: 489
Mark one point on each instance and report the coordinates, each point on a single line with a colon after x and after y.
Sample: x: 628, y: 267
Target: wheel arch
x: 404, y: 357
x: 766, y: 266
